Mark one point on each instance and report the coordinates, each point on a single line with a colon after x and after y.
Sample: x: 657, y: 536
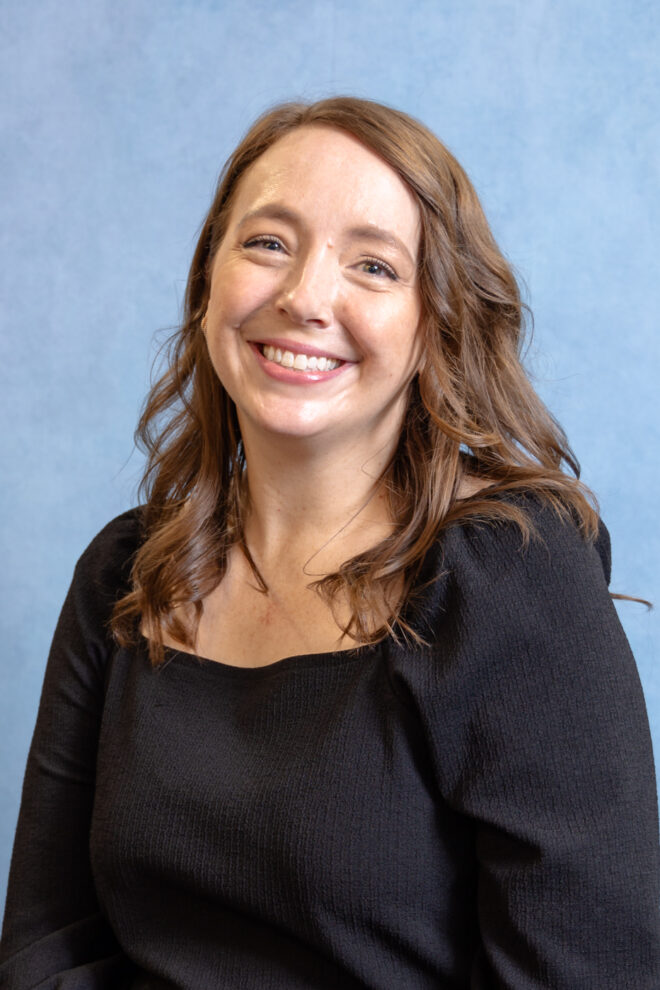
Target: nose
x: 309, y: 292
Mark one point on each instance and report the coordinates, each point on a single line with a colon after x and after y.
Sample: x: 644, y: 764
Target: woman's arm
x: 550, y: 755
x: 54, y: 932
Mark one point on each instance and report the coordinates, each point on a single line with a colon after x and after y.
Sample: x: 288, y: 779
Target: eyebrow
x: 273, y: 211
x: 367, y: 231
x: 370, y: 232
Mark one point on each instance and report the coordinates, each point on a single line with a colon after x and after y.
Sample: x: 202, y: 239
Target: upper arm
x: 52, y: 922
x: 552, y: 761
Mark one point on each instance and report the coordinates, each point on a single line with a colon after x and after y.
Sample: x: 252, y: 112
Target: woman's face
x: 314, y: 305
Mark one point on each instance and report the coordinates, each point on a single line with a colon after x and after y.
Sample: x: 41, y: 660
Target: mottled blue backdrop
x: 115, y: 120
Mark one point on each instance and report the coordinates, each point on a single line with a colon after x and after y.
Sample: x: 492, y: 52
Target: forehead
x: 326, y: 174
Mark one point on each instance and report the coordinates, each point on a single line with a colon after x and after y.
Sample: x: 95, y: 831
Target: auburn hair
x: 472, y: 410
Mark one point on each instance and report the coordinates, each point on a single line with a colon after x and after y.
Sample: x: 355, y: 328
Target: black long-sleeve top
x: 478, y: 813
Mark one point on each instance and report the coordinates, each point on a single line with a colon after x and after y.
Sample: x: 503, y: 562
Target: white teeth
x: 301, y: 362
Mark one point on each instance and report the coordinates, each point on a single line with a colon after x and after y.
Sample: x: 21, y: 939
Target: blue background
x: 115, y: 121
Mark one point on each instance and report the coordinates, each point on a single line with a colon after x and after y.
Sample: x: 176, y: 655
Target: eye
x: 377, y: 268
x: 265, y: 241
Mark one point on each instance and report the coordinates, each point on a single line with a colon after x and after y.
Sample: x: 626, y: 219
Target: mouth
x: 298, y: 361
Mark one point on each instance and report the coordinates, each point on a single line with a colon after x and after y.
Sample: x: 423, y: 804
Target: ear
x: 204, y: 324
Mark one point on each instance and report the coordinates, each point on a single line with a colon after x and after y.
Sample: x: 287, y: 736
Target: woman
x: 415, y: 753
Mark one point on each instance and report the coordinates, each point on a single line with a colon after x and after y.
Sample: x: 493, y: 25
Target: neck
x: 313, y: 506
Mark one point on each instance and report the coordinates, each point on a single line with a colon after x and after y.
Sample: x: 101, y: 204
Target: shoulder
x: 554, y: 547
x: 102, y: 573
x: 537, y: 730
x: 83, y: 643
x: 524, y: 643
x: 493, y: 572
x: 114, y: 546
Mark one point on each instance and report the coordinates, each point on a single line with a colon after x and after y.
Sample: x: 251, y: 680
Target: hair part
x: 472, y: 411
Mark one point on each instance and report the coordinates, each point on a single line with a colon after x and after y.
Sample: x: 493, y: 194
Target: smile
x: 297, y: 361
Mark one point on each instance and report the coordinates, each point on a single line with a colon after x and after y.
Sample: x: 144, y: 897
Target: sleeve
x: 541, y: 738
x: 54, y: 933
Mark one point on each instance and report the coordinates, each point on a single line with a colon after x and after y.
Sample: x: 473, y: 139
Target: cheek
x: 237, y: 291
x: 392, y: 332
x: 411, y: 333
x: 226, y: 303
x: 225, y: 359
x: 217, y: 354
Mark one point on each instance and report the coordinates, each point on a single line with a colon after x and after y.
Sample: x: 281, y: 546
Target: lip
x: 290, y: 375
x: 299, y: 348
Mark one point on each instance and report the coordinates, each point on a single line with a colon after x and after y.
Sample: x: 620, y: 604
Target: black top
x: 477, y: 814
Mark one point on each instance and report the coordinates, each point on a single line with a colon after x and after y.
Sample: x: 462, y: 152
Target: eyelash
x: 264, y: 239
x: 387, y: 269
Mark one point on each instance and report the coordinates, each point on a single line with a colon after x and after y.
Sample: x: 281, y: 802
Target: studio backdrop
x: 116, y: 119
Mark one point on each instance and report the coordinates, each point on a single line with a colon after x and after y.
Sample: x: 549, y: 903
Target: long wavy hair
x: 472, y: 410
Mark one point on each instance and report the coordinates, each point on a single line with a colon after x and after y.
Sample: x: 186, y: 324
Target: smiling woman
x: 345, y: 702
x: 296, y: 273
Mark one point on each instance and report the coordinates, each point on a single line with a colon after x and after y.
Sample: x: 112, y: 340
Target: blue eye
x: 371, y: 266
x: 268, y: 243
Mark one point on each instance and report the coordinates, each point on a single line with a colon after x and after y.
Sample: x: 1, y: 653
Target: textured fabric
x: 477, y: 814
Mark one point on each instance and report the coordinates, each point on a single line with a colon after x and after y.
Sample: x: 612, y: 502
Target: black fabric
x: 480, y: 813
